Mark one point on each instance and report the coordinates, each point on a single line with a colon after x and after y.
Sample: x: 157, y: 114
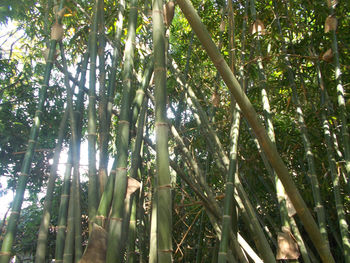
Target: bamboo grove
x: 216, y: 131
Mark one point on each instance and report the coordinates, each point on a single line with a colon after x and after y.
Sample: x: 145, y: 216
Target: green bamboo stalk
x: 63, y: 211
x: 202, y: 120
x: 205, y: 194
x: 220, y: 152
x: 340, y: 93
x: 68, y: 253
x: 48, y: 6
x: 135, y: 164
x: 228, y: 201
x: 131, y: 254
x: 9, y: 237
x: 163, y: 201
x: 75, y: 140
x: 319, y: 208
x: 142, y: 226
x: 260, y: 240
x: 115, y: 61
x: 102, y: 107
x: 229, y: 215
x: 281, y: 195
x: 93, y: 197
x: 45, y: 220
x: 200, y: 240
x: 153, y: 229
x: 343, y: 226
x: 140, y: 92
x: 265, y: 142
x: 107, y: 196
x: 115, y: 244
x: 198, y: 184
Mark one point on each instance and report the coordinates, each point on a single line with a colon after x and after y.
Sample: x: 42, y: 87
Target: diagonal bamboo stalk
x: 251, y: 115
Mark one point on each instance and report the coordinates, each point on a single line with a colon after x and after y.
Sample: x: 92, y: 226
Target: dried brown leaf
x: 97, y: 246
x: 287, y: 246
x: 290, y: 207
x: 257, y: 27
x: 132, y: 187
x: 168, y: 12
x: 328, y: 55
x: 57, y: 31
x: 330, y: 24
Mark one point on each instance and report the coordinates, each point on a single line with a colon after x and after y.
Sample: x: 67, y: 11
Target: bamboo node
x: 64, y: 195
x: 100, y: 217
x: 127, y: 80
x: 226, y: 216
x: 164, y: 186
x: 166, y: 250
x: 5, y: 253
x: 31, y: 141
x: 124, y: 121
x: 14, y: 213
x: 159, y: 123
x: 122, y: 169
x: 24, y: 174
x: 116, y: 219
x: 140, y: 91
x: 159, y: 69
x: 61, y: 227
x: 92, y: 134
x: 229, y: 183
x: 218, y: 62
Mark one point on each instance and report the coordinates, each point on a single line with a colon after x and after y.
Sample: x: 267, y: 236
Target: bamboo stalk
x: 163, y: 201
x: 102, y: 107
x: 340, y: 95
x: 115, y: 244
x: 63, y: 211
x: 93, y: 197
x: 75, y: 140
x: 45, y: 220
